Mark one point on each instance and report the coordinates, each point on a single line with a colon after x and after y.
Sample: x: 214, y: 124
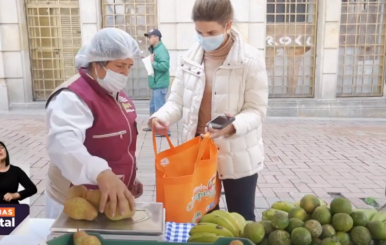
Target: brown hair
x: 220, y: 11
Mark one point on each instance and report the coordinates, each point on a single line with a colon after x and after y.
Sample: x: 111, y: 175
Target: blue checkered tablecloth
x: 177, y: 232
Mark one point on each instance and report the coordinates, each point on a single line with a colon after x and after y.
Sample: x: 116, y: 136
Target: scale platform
x: 148, y: 223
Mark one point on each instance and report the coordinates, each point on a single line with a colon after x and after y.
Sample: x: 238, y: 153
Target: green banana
x: 204, y: 237
x: 210, y: 228
x: 269, y: 213
x: 380, y: 216
x: 368, y: 212
x: 221, y: 221
x: 231, y: 219
x: 283, y: 206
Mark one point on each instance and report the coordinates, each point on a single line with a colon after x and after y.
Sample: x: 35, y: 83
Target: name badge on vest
x: 125, y: 104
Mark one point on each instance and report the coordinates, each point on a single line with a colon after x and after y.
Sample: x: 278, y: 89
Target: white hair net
x: 108, y: 44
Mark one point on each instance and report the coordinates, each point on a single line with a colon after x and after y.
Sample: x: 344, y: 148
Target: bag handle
x: 205, y: 140
x: 155, y: 141
x: 204, y: 143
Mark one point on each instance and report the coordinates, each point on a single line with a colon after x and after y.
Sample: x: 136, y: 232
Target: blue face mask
x: 210, y: 43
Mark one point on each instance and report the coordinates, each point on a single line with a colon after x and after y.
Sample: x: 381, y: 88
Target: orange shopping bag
x: 186, y: 179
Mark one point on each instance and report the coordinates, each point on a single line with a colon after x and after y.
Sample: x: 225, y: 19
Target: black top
x: 9, y: 183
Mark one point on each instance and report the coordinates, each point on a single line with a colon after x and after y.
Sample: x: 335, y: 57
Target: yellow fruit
x: 284, y: 206
x: 241, y: 222
x: 322, y: 202
x: 203, y: 238
x: 80, y: 209
x: 298, y: 213
x: 127, y: 215
x: 82, y: 238
x: 368, y: 212
x: 230, y: 218
x: 221, y: 220
x: 79, y: 234
x: 269, y: 213
x: 342, y: 222
x: 309, y: 203
x: 340, y: 205
x: 94, y: 197
x: 236, y: 242
x: 210, y: 228
x: 254, y: 232
x: 77, y: 191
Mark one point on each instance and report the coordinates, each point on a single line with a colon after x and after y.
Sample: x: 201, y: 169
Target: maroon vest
x: 113, y: 135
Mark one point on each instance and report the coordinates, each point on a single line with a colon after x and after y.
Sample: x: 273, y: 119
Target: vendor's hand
x: 152, y: 58
x: 160, y: 127
x: 225, y: 132
x: 137, y: 189
x: 11, y: 196
x: 115, y: 191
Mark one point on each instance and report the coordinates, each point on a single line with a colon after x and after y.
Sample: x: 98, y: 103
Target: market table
x: 34, y: 231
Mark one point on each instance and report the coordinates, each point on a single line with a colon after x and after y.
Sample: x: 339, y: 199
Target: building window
x: 361, y: 70
x: 54, y: 39
x: 136, y: 17
x: 290, y: 47
x: 280, y: 11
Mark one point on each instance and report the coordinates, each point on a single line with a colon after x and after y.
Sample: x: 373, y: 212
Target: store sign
x: 286, y: 40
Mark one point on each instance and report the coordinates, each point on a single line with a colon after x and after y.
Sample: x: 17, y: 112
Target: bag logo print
x: 203, y: 191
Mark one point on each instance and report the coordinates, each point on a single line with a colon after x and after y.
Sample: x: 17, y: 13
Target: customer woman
x: 92, y: 130
x: 221, y: 74
x: 10, y: 178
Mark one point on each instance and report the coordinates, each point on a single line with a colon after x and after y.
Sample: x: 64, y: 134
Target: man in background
x: 159, y: 82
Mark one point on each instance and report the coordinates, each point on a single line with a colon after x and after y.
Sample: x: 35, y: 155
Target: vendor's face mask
x: 113, y: 82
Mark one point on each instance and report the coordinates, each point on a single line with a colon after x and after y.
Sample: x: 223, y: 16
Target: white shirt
x: 67, y: 120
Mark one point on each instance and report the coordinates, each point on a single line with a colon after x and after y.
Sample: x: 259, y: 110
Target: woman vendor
x: 92, y: 131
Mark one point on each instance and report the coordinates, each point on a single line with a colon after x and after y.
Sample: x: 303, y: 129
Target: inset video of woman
x: 10, y: 178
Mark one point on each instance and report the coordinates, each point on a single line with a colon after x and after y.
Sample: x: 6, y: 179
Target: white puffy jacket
x: 240, y: 87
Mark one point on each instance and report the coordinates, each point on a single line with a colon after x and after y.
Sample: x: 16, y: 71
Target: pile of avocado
x: 313, y: 222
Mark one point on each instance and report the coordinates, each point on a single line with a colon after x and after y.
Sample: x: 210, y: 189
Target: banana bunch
x: 217, y: 224
x: 204, y: 238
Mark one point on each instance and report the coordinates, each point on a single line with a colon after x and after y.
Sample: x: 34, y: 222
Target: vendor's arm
x: 255, y: 105
x: 68, y: 118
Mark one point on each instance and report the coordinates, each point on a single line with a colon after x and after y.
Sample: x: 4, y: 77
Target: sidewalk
x: 319, y: 156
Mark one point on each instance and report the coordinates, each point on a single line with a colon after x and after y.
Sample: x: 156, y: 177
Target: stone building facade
x: 324, y: 58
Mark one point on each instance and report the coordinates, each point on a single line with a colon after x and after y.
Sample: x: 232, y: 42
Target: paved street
x: 302, y: 156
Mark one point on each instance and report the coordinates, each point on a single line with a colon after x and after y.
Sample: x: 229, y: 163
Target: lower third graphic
x: 11, y: 216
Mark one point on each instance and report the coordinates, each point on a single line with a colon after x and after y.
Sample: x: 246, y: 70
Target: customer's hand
x: 11, y: 196
x: 225, y: 132
x: 137, y: 189
x: 160, y: 127
x: 152, y: 58
x: 115, y: 191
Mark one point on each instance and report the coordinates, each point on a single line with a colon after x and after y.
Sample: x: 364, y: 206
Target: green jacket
x: 161, y: 65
